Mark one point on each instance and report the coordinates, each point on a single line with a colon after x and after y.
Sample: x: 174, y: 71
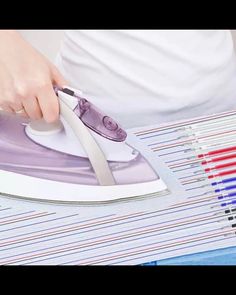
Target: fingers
x: 48, y: 102
x: 42, y: 102
x: 24, y: 114
x: 57, y: 78
x: 47, y: 98
x: 35, y: 99
x: 7, y: 108
x: 28, y: 108
x: 31, y: 108
x: 18, y: 109
x: 16, y: 106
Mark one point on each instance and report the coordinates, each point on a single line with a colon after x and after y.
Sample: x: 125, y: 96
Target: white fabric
x: 143, y: 77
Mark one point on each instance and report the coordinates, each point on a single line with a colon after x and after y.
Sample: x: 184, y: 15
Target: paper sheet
x: 189, y: 220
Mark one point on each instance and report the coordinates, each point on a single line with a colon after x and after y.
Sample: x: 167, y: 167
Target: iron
x: 82, y: 158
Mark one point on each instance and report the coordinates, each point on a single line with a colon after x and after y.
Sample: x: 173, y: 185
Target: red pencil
x: 216, y: 152
x: 222, y: 174
x: 220, y: 166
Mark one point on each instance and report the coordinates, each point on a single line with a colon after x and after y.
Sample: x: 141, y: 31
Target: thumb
x: 57, y: 77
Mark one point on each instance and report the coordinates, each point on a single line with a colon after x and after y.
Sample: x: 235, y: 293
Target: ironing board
x: 146, y: 231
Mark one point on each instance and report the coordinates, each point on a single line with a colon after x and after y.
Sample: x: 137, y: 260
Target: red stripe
x: 218, y: 159
x: 217, y: 152
x: 220, y: 166
x: 222, y: 174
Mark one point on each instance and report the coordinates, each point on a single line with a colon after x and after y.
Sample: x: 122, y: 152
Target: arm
x: 27, y: 78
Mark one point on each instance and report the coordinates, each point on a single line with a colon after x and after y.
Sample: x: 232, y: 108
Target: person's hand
x: 27, y: 79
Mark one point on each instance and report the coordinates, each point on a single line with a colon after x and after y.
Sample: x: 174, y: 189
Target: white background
x: 47, y: 41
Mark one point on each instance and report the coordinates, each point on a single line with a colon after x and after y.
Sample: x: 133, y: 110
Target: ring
x: 20, y: 111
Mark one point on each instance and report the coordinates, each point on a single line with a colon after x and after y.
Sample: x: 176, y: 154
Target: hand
x: 27, y: 79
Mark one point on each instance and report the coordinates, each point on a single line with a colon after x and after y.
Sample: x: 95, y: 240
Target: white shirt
x: 143, y: 77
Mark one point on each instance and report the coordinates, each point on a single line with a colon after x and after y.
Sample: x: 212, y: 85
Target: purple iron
x: 81, y: 158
